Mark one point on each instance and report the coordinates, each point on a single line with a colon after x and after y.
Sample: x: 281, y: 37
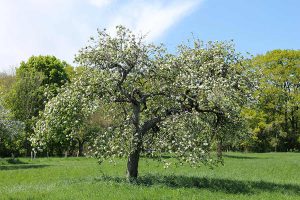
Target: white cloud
x: 100, y: 3
x: 152, y: 17
x: 61, y: 27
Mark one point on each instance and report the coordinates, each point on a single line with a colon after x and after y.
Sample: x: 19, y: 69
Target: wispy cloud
x: 152, y: 17
x: 61, y: 27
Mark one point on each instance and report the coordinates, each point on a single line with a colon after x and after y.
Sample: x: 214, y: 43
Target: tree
x: 9, y: 131
x: 33, y: 78
x: 66, y: 116
x: 275, y: 116
x: 153, y: 96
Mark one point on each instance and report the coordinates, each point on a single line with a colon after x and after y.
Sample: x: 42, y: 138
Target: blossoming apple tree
x: 179, y: 103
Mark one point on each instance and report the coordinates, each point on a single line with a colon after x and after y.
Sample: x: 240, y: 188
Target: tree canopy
x: 32, y: 77
x: 275, y: 116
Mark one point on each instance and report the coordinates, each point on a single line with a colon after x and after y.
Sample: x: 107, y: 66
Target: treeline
x: 274, y: 115
x: 271, y: 120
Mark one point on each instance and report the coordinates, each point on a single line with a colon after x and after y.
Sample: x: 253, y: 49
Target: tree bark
x: 134, y: 156
x: 132, y: 165
x: 219, y: 149
x: 80, y: 148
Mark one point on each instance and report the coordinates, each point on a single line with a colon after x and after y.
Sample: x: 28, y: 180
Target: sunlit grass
x: 244, y: 176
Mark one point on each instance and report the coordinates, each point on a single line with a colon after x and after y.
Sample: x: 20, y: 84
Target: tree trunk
x: 27, y: 147
x: 219, y: 149
x: 80, y: 148
x: 134, y: 156
x: 132, y: 165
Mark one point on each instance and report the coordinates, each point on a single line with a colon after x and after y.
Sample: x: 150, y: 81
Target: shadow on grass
x: 15, y: 161
x: 26, y: 166
x: 212, y: 184
x: 240, y: 157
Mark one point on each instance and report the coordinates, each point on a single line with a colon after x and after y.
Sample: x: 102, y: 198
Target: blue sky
x: 62, y: 27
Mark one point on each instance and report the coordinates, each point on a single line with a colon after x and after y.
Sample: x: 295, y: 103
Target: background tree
x: 10, y: 132
x: 27, y: 97
x: 274, y: 118
x: 152, y: 96
x: 67, y: 116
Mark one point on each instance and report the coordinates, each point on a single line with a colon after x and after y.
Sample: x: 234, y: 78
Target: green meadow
x: 243, y: 176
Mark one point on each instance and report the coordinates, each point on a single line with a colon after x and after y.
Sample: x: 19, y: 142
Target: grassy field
x: 244, y: 176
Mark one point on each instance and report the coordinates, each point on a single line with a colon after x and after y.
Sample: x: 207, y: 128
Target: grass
x: 244, y: 176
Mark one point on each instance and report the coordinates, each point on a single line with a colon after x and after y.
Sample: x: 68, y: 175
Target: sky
x: 62, y: 27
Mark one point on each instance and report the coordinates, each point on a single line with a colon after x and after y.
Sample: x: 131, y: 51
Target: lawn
x: 244, y: 176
